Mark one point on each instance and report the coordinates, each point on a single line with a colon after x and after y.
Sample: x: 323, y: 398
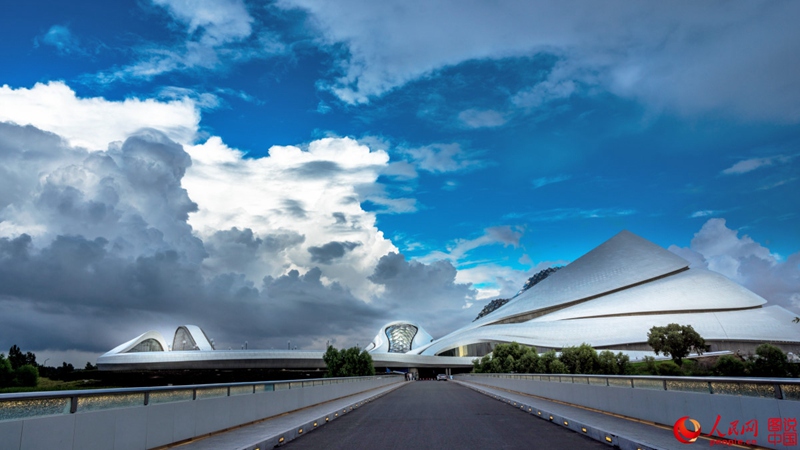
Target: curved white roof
x: 615, y: 293
x: 125, y: 347
x: 762, y: 324
x: 691, y: 290
x: 622, y: 261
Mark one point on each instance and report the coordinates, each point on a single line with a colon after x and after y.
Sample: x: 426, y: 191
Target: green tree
x: 16, y: 357
x: 529, y: 362
x: 623, y: 363
x: 27, y: 375
x: 558, y: 367
x: 350, y: 362
x: 6, y: 371
x: 581, y: 359
x: 546, y: 361
x: 729, y: 366
x: 770, y: 361
x: 675, y: 341
x: 607, y: 362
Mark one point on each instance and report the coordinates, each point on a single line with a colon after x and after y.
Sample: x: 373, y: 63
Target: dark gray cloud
x: 326, y: 253
x: 427, y: 293
x: 317, y: 169
x: 294, y: 208
x: 96, y: 249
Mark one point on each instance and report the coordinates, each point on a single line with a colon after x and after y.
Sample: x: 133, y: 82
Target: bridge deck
x: 438, y: 415
x: 435, y: 415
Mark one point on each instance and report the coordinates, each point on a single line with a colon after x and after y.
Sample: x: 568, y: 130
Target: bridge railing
x: 33, y: 404
x: 778, y: 388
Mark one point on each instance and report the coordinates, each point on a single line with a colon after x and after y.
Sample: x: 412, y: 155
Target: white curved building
x: 609, y: 298
x: 400, y: 336
x: 612, y: 296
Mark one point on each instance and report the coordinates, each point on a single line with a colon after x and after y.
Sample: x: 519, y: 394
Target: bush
x: 27, y: 375
x: 650, y: 365
x: 729, y: 366
x: 669, y: 368
x: 770, y: 361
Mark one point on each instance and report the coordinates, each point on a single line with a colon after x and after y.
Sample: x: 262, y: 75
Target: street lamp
x: 288, y: 345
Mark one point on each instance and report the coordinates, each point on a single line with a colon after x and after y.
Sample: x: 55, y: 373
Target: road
x: 440, y: 415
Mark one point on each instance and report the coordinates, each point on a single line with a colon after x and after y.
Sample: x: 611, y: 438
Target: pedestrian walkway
x: 273, y: 431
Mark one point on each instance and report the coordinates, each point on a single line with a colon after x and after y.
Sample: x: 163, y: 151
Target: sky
x: 305, y: 171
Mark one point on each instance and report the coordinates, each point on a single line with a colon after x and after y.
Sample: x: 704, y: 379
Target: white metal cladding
x: 762, y: 324
x: 127, y: 346
x: 390, y: 337
x: 691, y: 290
x: 624, y: 260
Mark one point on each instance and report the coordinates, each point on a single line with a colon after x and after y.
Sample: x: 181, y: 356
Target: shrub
x: 669, y: 368
x: 27, y: 375
x: 729, y: 366
x: 770, y: 361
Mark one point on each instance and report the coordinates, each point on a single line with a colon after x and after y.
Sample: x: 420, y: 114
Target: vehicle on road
x: 441, y: 377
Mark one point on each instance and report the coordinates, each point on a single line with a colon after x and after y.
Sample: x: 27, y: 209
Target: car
x: 441, y: 377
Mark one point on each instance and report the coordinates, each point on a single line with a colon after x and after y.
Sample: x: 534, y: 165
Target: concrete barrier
x: 660, y: 406
x: 153, y: 425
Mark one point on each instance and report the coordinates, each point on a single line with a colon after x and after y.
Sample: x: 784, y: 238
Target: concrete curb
x: 596, y: 433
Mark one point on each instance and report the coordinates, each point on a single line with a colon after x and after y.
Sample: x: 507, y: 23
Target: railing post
x: 73, y: 404
x: 778, y: 392
x: 665, y: 384
x: 146, y: 398
x: 194, y: 394
x: 632, y: 386
x: 710, y: 388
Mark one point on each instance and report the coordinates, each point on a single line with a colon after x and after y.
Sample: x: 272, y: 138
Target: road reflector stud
x: 315, y: 424
x: 299, y: 431
x: 327, y: 419
x: 583, y: 429
x: 608, y: 438
x: 280, y: 441
x: 566, y: 423
x: 551, y: 417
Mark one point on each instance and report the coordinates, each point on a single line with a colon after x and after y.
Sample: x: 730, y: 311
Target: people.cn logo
x: 684, y: 434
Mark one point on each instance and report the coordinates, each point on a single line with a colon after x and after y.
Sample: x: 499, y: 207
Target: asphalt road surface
x: 440, y: 415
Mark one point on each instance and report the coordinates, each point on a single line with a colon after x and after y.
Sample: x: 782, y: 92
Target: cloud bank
x: 690, y: 58
x: 102, y: 241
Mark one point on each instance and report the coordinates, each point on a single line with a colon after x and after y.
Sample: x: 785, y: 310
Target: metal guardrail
x: 33, y: 404
x: 778, y: 388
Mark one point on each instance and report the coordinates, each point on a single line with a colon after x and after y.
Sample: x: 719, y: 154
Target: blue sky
x: 481, y: 142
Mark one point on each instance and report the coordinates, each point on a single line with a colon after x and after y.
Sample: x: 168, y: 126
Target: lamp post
x: 288, y: 345
x: 245, y: 345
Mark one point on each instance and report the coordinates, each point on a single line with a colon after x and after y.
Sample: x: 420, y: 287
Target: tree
x: 27, y: 375
x: 770, y: 361
x: 15, y: 357
x: 6, y: 371
x: 350, y: 362
x: 581, y: 359
x: 675, y: 341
